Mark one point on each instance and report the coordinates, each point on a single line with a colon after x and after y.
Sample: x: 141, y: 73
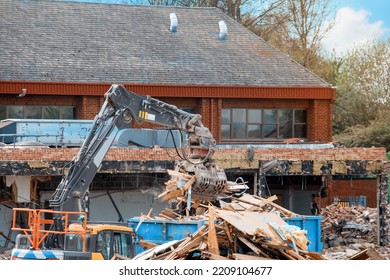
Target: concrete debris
x: 351, y: 233
x: 343, y: 226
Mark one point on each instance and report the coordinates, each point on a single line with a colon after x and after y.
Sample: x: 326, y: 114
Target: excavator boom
x: 120, y: 109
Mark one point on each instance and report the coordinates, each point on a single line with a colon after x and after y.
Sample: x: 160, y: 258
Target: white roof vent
x: 173, y: 17
x: 222, y: 30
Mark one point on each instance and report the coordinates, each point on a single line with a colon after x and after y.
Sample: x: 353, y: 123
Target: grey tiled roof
x: 41, y: 40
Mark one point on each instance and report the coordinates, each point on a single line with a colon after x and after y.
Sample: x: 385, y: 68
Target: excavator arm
x: 120, y: 109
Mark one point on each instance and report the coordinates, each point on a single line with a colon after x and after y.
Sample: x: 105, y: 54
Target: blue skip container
x: 313, y: 226
x: 161, y: 231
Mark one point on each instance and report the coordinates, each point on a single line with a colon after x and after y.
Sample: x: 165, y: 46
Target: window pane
x: 270, y: 116
x: 285, y: 115
x: 239, y: 123
x: 51, y: 112
x: 300, y: 131
x: 300, y: 116
x: 33, y: 112
x: 67, y: 113
x: 225, y: 116
x: 254, y: 131
x: 285, y: 123
x: 225, y: 131
x: 254, y: 116
x: 3, y: 112
x: 15, y: 112
x: 269, y: 131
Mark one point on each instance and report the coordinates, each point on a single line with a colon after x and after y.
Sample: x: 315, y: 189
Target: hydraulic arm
x: 122, y: 107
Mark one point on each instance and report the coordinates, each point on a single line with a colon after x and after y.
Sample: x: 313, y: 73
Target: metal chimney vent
x: 173, y: 27
x: 222, y: 30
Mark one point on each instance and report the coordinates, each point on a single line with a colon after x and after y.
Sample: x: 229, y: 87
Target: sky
x: 357, y: 21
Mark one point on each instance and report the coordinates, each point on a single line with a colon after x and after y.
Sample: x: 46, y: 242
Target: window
x: 257, y: 124
x: 104, y: 244
x: 122, y: 244
x: 37, y: 112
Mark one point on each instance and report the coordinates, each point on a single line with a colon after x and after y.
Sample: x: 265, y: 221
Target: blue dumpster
x: 161, y: 231
x: 313, y: 226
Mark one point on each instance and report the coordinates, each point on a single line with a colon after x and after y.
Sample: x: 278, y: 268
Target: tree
x: 363, y: 96
x: 303, y: 25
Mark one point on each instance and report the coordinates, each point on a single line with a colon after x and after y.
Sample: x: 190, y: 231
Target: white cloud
x: 352, y: 28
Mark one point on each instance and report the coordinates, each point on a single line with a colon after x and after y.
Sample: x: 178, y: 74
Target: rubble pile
x: 246, y: 228
x: 343, y: 226
x: 351, y: 233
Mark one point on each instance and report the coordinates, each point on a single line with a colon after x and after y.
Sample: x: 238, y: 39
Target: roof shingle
x: 43, y: 40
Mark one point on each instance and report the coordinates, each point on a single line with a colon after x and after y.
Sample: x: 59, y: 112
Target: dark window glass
x: 254, y: 116
x: 300, y: 130
x: 226, y: 116
x: 270, y: 116
x: 68, y: 113
x: 51, y: 112
x: 225, y: 131
x: 300, y: 116
x: 254, y: 131
x: 285, y: 123
x: 32, y: 112
x: 263, y: 123
x: 269, y: 131
x: 3, y: 112
x: 15, y: 112
x: 239, y: 123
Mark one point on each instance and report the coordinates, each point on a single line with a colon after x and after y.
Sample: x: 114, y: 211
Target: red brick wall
x: 10, y: 154
x: 353, y: 187
x: 40, y: 100
x: 89, y: 106
x: 320, y: 120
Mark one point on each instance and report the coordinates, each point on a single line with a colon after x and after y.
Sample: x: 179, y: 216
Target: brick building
x: 59, y: 58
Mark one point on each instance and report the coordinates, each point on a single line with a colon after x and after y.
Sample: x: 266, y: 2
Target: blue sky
x: 357, y: 21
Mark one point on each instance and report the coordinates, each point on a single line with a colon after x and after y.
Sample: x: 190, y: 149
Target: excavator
x: 68, y: 234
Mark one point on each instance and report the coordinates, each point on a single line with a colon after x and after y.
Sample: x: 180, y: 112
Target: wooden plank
x: 189, y: 183
x: 283, y: 210
x: 362, y: 255
x: 315, y: 256
x: 212, y: 256
x: 229, y: 236
x: 250, y: 245
x: 374, y: 255
x: 237, y: 256
x: 179, y: 174
x: 171, y: 194
x: 212, y: 241
x: 146, y: 244
x: 191, y: 244
x: 294, y: 255
x: 276, y: 245
x: 252, y: 223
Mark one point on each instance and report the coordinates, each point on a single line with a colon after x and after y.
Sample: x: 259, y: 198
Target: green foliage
x: 362, y: 107
x: 375, y: 134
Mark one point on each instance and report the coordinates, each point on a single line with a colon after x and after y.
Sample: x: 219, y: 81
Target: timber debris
x: 248, y: 227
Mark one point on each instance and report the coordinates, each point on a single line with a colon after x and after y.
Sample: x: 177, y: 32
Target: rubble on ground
x: 342, y: 226
x: 348, y: 231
